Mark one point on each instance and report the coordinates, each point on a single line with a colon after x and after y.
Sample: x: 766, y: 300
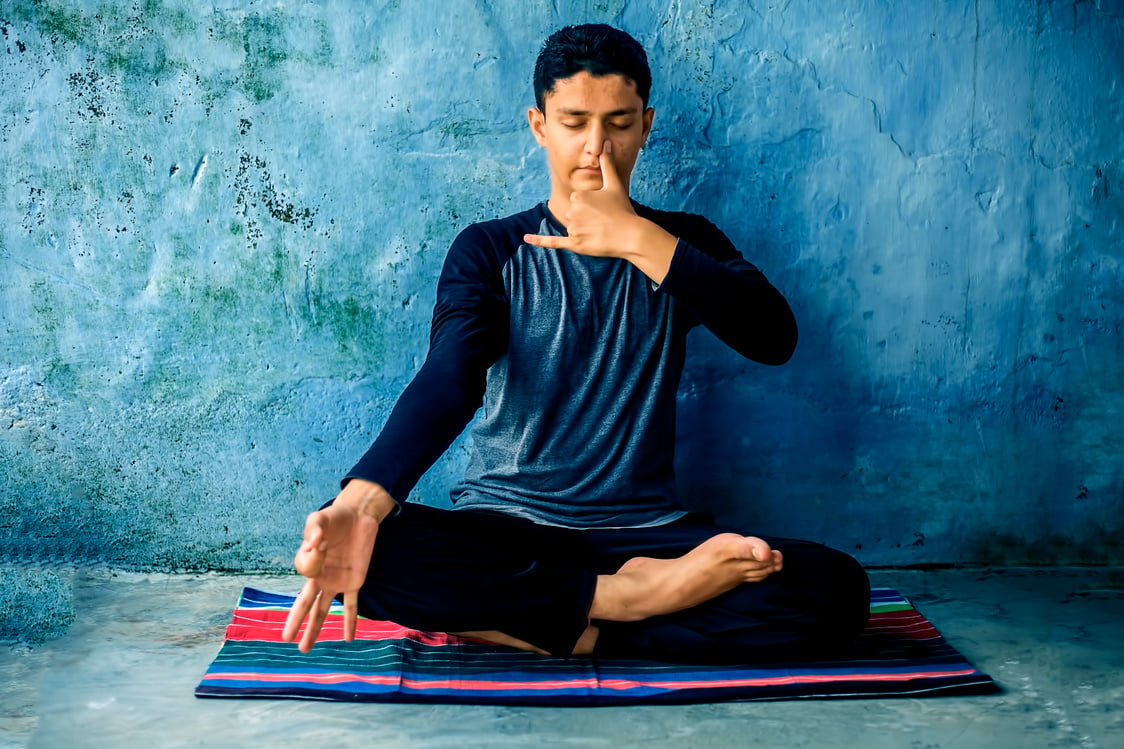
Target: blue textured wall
x: 220, y: 229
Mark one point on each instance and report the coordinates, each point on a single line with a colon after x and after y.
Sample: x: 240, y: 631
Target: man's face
x: 582, y: 112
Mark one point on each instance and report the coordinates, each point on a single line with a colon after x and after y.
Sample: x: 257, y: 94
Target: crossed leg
x: 645, y: 587
x: 686, y: 591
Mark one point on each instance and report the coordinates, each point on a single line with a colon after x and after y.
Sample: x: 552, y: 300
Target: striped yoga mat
x: 900, y: 653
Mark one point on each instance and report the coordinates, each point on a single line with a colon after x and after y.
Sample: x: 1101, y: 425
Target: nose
x: 595, y: 139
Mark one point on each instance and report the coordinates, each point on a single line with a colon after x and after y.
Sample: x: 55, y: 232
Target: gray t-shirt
x: 578, y: 417
x: 575, y: 361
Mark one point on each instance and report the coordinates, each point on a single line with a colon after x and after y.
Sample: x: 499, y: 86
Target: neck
x: 559, y: 206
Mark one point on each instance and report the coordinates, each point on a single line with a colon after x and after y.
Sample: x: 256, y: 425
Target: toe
x: 759, y: 551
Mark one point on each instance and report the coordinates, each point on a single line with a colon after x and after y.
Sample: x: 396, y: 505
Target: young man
x: 567, y: 323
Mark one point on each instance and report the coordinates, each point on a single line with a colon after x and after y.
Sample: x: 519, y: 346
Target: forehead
x: 589, y: 94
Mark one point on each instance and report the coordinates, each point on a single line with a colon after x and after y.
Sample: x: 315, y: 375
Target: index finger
x: 548, y: 241
x: 299, y: 611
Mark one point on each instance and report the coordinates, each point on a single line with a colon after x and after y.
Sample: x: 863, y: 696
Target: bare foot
x: 646, y: 587
x: 500, y: 638
x: 584, y: 645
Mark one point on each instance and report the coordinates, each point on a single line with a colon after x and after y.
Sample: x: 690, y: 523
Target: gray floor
x: 123, y: 677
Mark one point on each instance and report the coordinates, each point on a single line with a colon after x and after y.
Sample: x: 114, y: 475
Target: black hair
x: 594, y: 48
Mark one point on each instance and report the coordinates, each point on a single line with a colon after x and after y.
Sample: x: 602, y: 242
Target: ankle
x: 619, y: 598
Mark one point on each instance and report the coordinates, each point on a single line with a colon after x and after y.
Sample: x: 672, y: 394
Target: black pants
x: 463, y: 570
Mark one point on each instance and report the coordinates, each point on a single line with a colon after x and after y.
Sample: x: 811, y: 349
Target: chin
x: 587, y: 182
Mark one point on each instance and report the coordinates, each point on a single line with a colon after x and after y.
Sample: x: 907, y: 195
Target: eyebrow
x: 584, y: 113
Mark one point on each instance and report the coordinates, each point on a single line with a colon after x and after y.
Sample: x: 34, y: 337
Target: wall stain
x: 86, y: 86
x: 263, y: 43
x: 254, y: 188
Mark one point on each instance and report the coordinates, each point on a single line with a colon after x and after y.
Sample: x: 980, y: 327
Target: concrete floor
x: 123, y: 676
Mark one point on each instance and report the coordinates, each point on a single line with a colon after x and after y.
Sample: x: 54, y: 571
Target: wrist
x: 367, y: 498
x: 651, y: 249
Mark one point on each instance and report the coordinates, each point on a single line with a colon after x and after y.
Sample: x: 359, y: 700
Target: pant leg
x: 463, y: 570
x: 819, y: 602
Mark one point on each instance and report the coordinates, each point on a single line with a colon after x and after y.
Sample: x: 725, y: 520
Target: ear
x: 537, y: 120
x: 649, y: 113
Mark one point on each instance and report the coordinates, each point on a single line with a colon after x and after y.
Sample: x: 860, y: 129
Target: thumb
x: 314, y: 531
x: 309, y: 559
x: 610, y: 180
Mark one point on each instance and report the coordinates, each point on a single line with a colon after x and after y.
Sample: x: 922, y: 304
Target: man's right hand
x: 334, y: 556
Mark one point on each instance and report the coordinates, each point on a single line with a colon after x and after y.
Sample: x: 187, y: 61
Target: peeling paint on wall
x: 220, y: 229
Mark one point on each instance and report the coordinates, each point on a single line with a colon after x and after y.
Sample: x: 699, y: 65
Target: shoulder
x: 486, y: 246
x: 697, y: 231
x: 508, y: 230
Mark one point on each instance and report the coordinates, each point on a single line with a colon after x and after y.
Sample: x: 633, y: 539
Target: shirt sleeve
x: 728, y: 295
x: 468, y: 333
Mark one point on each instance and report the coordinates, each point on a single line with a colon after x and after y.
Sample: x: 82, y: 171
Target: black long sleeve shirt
x: 576, y: 361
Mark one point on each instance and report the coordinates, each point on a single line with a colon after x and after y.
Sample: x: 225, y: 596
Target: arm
x: 688, y: 258
x: 468, y: 333
x: 730, y: 296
